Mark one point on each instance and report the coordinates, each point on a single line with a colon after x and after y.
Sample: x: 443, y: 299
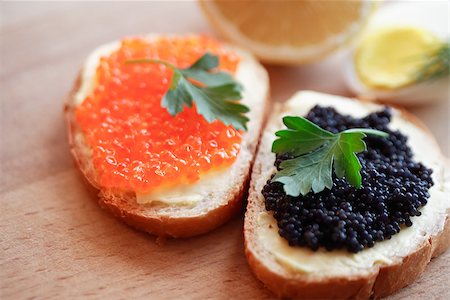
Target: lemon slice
x: 288, y: 32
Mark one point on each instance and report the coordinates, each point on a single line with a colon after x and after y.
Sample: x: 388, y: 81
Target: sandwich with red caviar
x: 348, y: 199
x: 166, y: 128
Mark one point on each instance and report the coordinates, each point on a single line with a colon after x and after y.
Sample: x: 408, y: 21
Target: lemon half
x: 288, y: 32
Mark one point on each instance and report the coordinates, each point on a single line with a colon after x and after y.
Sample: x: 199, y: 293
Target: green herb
x: 316, y: 153
x: 214, y: 93
x: 435, y: 64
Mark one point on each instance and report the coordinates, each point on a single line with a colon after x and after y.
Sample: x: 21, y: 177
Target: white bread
x: 427, y: 238
x: 221, y: 201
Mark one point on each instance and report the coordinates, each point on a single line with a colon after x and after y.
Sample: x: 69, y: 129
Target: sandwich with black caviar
x: 348, y: 199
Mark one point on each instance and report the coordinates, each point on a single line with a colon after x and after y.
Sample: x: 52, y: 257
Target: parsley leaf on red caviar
x: 317, y: 152
x: 215, y: 93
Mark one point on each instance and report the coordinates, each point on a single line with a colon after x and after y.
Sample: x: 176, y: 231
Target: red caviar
x: 137, y: 145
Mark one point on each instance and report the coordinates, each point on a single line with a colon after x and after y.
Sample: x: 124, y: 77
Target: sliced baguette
x: 404, y: 256
x: 219, y: 203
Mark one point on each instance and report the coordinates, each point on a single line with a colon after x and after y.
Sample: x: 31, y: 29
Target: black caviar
x: 393, y: 188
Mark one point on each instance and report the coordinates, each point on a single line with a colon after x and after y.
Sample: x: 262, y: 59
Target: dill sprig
x: 436, y: 64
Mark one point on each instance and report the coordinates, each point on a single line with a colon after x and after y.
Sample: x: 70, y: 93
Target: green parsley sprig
x: 317, y: 152
x: 436, y: 64
x: 215, y: 93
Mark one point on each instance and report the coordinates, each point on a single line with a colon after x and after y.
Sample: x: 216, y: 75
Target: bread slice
x: 375, y: 272
x: 218, y: 201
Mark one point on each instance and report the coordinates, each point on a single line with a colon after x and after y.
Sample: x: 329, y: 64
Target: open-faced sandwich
x: 347, y: 200
x: 166, y: 127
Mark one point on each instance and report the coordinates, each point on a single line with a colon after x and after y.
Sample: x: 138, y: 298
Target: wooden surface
x: 55, y: 242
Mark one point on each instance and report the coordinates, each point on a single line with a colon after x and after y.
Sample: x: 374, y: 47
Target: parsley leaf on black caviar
x: 317, y: 152
x: 215, y: 93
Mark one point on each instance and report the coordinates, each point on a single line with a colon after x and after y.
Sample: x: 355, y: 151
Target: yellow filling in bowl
x: 390, y: 58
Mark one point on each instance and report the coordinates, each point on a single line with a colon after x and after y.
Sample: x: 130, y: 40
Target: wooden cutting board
x: 55, y: 241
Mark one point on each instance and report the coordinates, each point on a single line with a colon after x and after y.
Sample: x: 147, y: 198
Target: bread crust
x: 123, y: 205
x: 377, y: 282
x: 168, y: 226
